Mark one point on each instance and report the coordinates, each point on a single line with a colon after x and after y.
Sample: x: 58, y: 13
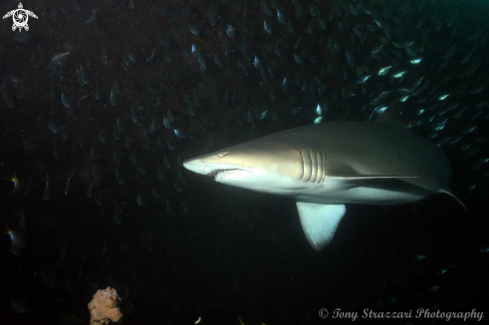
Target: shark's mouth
x: 220, y: 174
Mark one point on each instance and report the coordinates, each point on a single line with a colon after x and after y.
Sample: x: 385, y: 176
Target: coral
x: 104, y: 307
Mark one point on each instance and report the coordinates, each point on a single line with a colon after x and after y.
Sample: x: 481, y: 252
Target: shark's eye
x: 223, y: 154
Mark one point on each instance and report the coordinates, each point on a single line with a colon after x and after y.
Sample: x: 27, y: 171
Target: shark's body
x: 324, y: 166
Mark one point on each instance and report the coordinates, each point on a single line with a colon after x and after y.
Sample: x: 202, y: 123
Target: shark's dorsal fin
x: 319, y: 222
x: 392, y: 117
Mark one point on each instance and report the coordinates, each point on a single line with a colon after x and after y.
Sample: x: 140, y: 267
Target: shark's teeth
x: 214, y: 173
x: 219, y: 173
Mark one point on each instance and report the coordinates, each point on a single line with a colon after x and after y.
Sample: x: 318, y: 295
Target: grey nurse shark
x: 324, y: 166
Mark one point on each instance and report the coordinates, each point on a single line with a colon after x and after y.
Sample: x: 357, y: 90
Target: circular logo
x: 20, y: 18
x: 323, y: 313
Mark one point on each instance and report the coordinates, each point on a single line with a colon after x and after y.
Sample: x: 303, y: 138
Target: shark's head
x: 256, y: 165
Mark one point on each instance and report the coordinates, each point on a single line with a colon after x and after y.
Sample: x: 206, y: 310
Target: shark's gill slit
x: 314, y: 165
x: 302, y: 159
x: 304, y: 166
x: 323, y: 167
x: 319, y: 167
x: 307, y: 165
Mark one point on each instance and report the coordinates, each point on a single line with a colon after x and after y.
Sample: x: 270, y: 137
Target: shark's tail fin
x: 447, y: 191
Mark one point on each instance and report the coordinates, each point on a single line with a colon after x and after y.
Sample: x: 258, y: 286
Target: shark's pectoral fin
x: 447, y: 191
x: 319, y: 222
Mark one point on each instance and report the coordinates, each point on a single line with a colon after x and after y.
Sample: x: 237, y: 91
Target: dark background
x: 235, y: 252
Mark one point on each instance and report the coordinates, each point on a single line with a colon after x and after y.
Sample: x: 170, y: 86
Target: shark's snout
x: 197, y: 166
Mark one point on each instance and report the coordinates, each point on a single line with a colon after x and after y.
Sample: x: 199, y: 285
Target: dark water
x: 104, y: 200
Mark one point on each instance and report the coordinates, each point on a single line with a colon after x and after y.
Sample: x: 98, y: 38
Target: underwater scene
x: 244, y: 162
